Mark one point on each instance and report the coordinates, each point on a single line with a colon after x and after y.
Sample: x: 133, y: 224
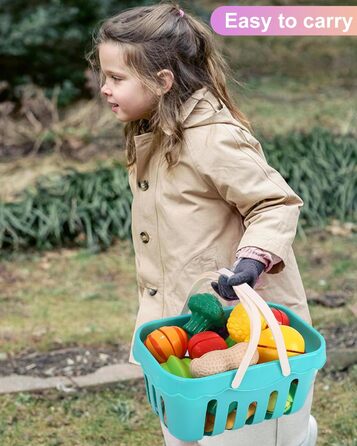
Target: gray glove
x: 247, y: 271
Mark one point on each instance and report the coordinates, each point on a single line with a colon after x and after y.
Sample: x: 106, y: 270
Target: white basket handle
x: 252, y: 303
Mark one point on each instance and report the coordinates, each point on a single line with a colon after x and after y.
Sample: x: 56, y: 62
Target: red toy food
x: 166, y: 341
x: 205, y: 342
x: 280, y: 316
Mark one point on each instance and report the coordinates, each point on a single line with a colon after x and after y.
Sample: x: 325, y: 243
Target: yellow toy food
x: 294, y: 343
x: 219, y: 361
x: 272, y: 402
x: 238, y: 324
x: 209, y: 424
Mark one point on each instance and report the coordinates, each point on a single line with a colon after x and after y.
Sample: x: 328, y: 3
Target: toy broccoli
x: 207, y: 312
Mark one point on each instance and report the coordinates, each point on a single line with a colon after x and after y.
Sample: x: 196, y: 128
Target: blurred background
x: 67, y: 277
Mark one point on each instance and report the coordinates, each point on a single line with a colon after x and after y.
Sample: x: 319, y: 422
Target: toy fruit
x: 166, y: 341
x: 238, y: 324
x: 294, y: 343
x: 205, y: 342
x: 178, y: 366
x: 280, y: 316
x: 212, y: 407
x: 272, y: 402
x: 220, y: 360
x: 207, y: 312
x: 209, y: 424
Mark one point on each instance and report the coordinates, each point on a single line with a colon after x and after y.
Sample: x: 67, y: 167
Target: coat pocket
x: 202, y: 262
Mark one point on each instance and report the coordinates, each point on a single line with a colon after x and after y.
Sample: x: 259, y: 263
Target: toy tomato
x: 205, y: 342
x: 280, y: 316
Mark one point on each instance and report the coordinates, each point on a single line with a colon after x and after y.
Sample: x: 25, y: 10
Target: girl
x: 204, y: 196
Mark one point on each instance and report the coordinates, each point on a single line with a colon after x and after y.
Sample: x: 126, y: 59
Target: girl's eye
x: 116, y: 78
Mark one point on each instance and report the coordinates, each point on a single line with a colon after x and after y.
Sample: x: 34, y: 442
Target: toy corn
x: 238, y: 324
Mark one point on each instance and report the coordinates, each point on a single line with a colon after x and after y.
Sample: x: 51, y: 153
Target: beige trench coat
x: 220, y: 197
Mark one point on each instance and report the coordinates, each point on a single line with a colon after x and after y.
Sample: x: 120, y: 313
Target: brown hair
x: 159, y: 37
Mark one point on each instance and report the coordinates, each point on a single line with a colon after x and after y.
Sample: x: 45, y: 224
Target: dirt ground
x: 74, y: 361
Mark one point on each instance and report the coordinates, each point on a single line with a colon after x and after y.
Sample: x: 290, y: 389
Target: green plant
x: 92, y: 208
x: 321, y: 168
x: 89, y: 207
x: 47, y: 39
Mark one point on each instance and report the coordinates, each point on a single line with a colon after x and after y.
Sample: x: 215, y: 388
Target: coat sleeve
x: 232, y: 162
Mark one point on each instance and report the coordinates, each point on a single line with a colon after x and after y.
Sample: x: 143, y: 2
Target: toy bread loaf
x: 219, y: 361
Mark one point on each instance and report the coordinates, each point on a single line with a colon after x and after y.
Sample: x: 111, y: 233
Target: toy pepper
x: 178, y: 366
x: 207, y: 312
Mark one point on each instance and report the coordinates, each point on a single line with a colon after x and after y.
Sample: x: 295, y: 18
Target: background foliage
x: 93, y: 208
x: 44, y: 42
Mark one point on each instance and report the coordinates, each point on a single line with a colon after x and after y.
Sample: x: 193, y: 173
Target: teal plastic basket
x: 184, y: 401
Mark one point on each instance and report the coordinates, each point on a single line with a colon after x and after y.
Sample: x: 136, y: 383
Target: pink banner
x: 285, y: 20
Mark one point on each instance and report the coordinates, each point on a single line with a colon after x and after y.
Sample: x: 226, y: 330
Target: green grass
x: 118, y: 416
x: 280, y: 105
x: 68, y: 297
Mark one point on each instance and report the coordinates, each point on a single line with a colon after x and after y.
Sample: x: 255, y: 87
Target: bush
x: 93, y: 208
x: 78, y: 208
x: 44, y: 42
x: 321, y: 168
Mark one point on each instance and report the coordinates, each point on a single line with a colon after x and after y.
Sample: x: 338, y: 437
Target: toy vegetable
x: 207, y: 312
x: 177, y: 366
x: 238, y: 324
x: 281, y: 316
x: 272, y: 402
x: 220, y: 360
x: 229, y: 341
x: 209, y: 424
x: 294, y: 343
x: 166, y: 341
x: 205, y: 342
x: 212, y: 407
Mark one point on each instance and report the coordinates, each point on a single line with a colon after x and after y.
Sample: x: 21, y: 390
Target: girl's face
x: 129, y: 99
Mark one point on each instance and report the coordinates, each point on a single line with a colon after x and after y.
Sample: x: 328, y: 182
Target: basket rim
x: 163, y: 380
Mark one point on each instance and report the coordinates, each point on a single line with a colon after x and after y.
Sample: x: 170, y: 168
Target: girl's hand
x: 246, y: 271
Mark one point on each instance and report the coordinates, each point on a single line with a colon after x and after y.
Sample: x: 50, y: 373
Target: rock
x: 341, y: 358
x: 331, y: 299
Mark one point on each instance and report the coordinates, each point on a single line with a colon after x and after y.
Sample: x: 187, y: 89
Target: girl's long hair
x: 158, y: 37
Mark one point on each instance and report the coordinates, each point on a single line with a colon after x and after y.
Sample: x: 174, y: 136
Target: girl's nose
x: 105, y: 90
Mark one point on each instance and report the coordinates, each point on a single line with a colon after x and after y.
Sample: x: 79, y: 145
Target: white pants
x: 289, y: 430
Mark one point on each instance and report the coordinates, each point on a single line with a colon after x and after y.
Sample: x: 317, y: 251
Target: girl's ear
x: 166, y: 80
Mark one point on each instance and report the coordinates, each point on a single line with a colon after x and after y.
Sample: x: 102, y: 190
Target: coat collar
x: 190, y: 104
x: 186, y: 110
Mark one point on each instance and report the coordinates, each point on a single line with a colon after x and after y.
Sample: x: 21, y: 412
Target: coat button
x: 144, y: 237
x: 152, y: 291
x: 144, y: 185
